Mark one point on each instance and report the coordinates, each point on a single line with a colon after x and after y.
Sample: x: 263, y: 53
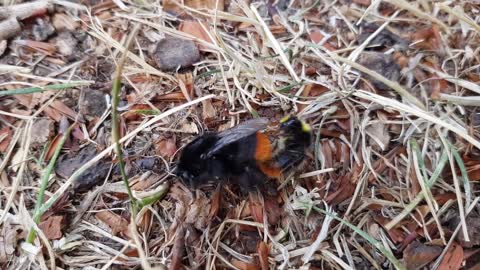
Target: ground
x: 389, y: 88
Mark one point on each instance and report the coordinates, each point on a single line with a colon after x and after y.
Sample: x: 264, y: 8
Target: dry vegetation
x: 390, y: 88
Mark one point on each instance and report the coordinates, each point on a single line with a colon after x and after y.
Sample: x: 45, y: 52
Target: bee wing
x: 236, y: 133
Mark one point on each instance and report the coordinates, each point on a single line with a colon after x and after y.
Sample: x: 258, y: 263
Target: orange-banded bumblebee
x: 247, y: 154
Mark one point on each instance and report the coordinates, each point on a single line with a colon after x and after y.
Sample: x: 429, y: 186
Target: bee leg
x: 270, y: 189
x: 251, y: 179
x: 217, y: 169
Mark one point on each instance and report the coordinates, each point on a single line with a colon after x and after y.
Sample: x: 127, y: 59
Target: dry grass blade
x: 26, y: 140
x: 419, y: 113
x: 462, y: 83
x: 460, y: 15
x: 462, y: 101
x: 387, y: 87
x: 387, y: 253
x: 394, y: 85
x: 432, y: 204
x: 320, y: 238
x: 420, y: 196
x: 91, y: 162
x: 415, y: 10
x: 101, y: 35
x: 454, y: 234
x: 458, y: 192
x: 276, y: 46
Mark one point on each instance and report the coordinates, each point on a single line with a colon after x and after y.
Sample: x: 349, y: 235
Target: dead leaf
x: 473, y: 167
x: 53, y: 114
x: 428, y: 38
x: 135, y: 112
x: 344, y: 190
x: 140, y: 184
x: 442, y: 198
x: 43, y: 47
x: 116, y: 223
x: 397, y: 235
x: 63, y: 22
x: 132, y: 252
x: 312, y: 90
x: 145, y: 223
x: 244, y: 265
x: 172, y: 5
x: 453, y: 258
x: 178, y: 249
x: 379, y: 136
x: 471, y: 257
x: 52, y: 227
x: 256, y: 209
x: 418, y: 255
x: 263, y: 250
x: 166, y: 148
x: 273, y: 210
x: 174, y: 96
x: 189, y: 127
x: 64, y: 109
x: 185, y: 82
x: 215, y: 204
x: 415, y: 186
x: 208, y: 111
x: 401, y: 59
x: 280, y: 29
x: 78, y: 133
x: 362, y: 2
x: 5, y: 138
x: 53, y: 146
x: 317, y: 37
x: 59, y: 206
x: 31, y: 100
x: 198, y: 212
x: 8, y: 241
x: 196, y: 29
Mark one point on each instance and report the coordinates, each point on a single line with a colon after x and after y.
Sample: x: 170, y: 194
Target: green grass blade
x: 30, y: 90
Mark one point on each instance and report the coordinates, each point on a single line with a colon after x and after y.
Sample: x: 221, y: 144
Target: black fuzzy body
x: 231, y: 155
x: 223, y: 156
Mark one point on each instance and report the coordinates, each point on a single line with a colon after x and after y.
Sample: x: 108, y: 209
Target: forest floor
x: 389, y: 88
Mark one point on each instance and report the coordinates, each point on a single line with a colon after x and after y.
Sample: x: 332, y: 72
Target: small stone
x: 173, y: 53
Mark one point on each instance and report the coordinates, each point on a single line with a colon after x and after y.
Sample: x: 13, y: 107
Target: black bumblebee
x: 247, y: 154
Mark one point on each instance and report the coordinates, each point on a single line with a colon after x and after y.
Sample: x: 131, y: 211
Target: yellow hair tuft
x: 285, y: 119
x: 306, y: 127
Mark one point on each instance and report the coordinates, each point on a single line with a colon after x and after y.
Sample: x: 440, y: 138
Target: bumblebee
x: 247, y: 154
